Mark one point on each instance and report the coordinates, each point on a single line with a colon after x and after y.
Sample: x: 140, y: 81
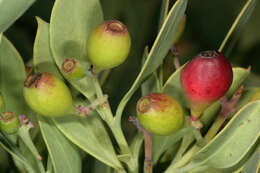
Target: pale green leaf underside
x: 11, y: 10
x: 12, y: 76
x: 234, y: 141
x: 64, y: 155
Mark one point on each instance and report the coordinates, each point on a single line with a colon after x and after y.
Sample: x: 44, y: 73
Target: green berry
x: 47, y: 95
x: 160, y: 114
x: 108, y: 45
x: 9, y: 122
x: 72, y: 69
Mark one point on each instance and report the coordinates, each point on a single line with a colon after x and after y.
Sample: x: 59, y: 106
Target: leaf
x: 65, y: 158
x: 12, y: 77
x: 94, y: 138
x: 239, y: 76
x: 11, y: 11
x: 69, y: 30
x: 162, y: 143
x: 173, y: 87
x: 239, y: 22
x: 41, y: 50
x: 234, y: 141
x: 136, y: 146
x: 15, y: 153
x: 253, y: 164
x: 158, y: 51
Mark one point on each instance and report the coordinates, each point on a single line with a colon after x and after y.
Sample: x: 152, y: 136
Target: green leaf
x: 150, y: 85
x: 69, y: 30
x: 65, y: 157
x: 11, y: 10
x: 239, y: 22
x: 239, y: 76
x: 15, y: 153
x: 136, y: 146
x: 253, y: 163
x: 234, y: 141
x: 162, y: 143
x: 173, y: 87
x: 24, y: 135
x: 159, y: 50
x: 94, y: 138
x: 12, y: 77
x: 41, y: 50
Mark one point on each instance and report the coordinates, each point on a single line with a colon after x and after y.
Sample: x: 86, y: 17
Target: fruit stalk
x: 148, y: 145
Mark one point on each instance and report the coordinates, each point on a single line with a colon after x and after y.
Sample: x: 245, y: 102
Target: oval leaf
x: 234, y: 141
x: 12, y: 77
x: 11, y: 11
x: 64, y: 156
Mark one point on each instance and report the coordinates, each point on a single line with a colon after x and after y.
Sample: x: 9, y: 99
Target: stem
x: 148, y: 145
x: 227, y: 107
x: 104, y: 77
x: 214, y: 128
x: 23, y: 133
x: 106, y: 114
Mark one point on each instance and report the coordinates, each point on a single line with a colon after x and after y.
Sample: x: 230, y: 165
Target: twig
x: 148, y: 143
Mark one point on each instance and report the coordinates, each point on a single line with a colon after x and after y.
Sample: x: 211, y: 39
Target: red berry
x: 205, y: 79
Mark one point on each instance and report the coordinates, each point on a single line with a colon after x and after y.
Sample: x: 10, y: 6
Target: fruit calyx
x: 208, y: 54
x: 32, y: 81
x: 115, y: 27
x: 7, y: 117
x: 69, y: 65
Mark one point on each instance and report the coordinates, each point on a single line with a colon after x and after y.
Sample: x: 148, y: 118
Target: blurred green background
x: 206, y: 26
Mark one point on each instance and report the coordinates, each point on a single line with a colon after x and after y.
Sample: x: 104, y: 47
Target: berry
x: 108, y: 44
x: 205, y: 79
x: 47, y: 95
x: 160, y: 114
x: 9, y: 122
x: 72, y: 69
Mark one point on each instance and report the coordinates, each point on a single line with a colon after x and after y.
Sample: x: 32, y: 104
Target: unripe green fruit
x: 47, y: 95
x: 72, y: 69
x: 160, y: 114
x: 108, y: 45
x: 9, y: 122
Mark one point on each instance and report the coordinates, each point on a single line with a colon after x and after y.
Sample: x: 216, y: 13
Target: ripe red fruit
x: 205, y: 79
